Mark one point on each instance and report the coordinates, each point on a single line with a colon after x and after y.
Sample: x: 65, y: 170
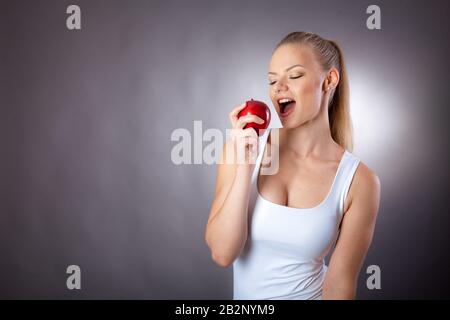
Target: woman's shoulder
x: 365, y: 174
x: 366, y: 183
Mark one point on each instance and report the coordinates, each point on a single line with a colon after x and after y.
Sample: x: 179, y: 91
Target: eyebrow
x: 295, y: 65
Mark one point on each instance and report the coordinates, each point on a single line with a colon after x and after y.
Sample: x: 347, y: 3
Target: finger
x: 233, y: 114
x: 259, y: 120
x: 250, y: 132
x: 251, y: 139
x: 242, y: 121
x: 251, y: 142
x: 238, y: 108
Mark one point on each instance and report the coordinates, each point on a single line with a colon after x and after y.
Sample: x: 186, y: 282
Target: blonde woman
x: 277, y: 229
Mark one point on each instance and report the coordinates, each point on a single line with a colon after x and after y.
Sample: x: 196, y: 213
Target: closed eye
x: 271, y: 83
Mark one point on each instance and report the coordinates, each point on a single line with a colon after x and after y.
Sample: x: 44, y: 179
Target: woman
x: 277, y: 229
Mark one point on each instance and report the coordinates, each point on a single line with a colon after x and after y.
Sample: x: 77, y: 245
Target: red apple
x: 257, y: 108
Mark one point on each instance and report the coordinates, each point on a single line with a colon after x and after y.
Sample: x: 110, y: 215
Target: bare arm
x: 226, y: 229
x: 356, y: 234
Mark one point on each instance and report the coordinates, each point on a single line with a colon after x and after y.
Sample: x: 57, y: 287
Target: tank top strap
x: 262, y: 141
x: 344, y: 177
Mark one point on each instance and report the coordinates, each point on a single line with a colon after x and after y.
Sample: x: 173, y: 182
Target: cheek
x: 310, y: 91
x: 318, y: 92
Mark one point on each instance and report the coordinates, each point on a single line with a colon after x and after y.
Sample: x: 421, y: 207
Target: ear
x: 331, y: 79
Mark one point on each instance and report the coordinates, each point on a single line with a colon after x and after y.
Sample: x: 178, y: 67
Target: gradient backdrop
x: 86, y: 176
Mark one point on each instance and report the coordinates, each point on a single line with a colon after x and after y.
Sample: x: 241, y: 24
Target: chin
x: 287, y: 125
x: 293, y: 121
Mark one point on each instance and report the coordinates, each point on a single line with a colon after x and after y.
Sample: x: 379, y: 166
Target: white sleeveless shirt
x: 284, y: 256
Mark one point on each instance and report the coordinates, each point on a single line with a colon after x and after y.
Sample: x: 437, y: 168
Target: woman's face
x: 295, y: 84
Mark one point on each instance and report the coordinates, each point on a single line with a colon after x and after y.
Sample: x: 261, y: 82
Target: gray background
x: 86, y: 118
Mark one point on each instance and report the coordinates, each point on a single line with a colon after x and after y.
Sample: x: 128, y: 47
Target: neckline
x: 345, y: 153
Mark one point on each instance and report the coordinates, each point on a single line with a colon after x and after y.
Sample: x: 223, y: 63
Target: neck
x: 309, y: 140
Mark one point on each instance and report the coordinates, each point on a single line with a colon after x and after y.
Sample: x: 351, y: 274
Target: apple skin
x: 257, y: 108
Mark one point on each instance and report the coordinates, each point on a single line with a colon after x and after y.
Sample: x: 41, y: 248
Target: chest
x: 299, y: 184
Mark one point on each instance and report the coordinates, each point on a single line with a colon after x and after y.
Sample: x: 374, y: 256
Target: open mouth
x: 286, y: 106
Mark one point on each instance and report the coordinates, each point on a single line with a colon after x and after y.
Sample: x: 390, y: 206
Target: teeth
x: 284, y: 100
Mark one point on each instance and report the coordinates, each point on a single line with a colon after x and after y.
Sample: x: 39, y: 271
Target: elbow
x: 221, y: 260
x: 221, y: 257
x: 339, y: 290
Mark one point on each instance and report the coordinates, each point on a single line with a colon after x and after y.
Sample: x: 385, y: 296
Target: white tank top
x: 284, y: 256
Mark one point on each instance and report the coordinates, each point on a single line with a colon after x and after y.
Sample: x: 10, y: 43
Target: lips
x: 286, y: 106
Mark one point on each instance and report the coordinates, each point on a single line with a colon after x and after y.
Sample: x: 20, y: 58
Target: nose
x: 280, y: 86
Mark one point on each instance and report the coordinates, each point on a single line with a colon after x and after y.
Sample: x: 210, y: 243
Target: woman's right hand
x: 244, y: 141
x: 227, y: 228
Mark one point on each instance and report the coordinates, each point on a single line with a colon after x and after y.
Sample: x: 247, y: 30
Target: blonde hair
x: 329, y: 54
